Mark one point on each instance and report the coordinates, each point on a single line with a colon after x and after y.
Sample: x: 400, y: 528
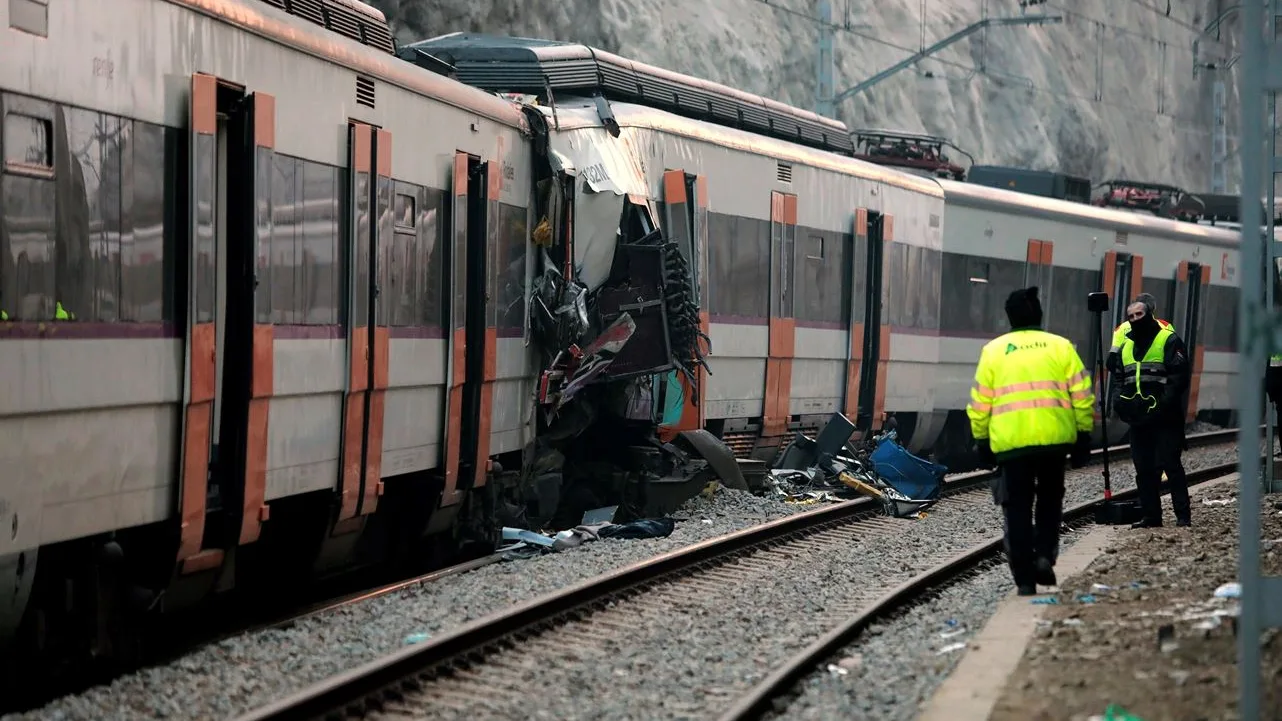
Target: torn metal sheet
x: 609, y: 169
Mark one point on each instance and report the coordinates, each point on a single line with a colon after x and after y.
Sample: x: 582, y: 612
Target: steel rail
x: 760, y: 699
x: 366, y: 686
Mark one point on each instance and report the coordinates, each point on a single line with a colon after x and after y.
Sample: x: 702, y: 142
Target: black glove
x: 985, y: 453
x: 1081, y: 451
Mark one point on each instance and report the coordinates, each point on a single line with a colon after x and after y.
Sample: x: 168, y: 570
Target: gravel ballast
x: 240, y: 673
x: 893, y: 667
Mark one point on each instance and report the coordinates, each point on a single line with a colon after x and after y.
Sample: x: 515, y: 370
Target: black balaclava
x: 1023, y: 309
x: 1144, y: 330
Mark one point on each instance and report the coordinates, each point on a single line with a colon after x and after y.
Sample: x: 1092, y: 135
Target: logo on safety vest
x: 1011, y: 347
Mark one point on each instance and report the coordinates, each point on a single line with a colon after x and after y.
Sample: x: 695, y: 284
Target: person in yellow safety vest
x: 1031, y: 405
x: 1149, y: 396
x: 1119, y: 333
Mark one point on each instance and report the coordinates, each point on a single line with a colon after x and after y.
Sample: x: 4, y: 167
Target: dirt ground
x: 1090, y: 653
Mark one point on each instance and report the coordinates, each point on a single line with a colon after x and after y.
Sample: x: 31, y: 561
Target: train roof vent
x: 537, y: 67
x: 364, y: 91
x: 349, y: 18
x: 784, y: 172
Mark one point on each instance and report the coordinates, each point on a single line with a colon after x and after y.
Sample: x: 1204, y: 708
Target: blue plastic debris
x: 914, y: 477
x: 1086, y: 598
x: 1045, y: 601
x: 414, y: 638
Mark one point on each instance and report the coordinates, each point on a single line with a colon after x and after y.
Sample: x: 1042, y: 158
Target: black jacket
x: 1273, y: 383
x: 1173, y: 402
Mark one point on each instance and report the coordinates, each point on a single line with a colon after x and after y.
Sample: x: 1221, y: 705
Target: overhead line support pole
x: 959, y: 35
x: 1259, y: 335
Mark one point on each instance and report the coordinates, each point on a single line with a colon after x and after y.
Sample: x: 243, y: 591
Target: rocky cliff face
x: 1109, y: 92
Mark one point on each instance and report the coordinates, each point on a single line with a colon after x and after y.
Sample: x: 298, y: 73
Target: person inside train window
x: 1149, y: 396
x: 1119, y: 333
x: 1031, y: 405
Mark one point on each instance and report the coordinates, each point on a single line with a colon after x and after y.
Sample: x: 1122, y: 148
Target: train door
x: 1039, y: 271
x: 222, y: 471
x: 1122, y: 279
x: 776, y: 402
x: 685, y: 204
x: 875, y: 351
x: 470, y: 358
x: 1192, y: 280
x: 368, y: 235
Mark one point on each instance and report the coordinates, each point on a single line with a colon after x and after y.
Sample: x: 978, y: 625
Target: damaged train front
x: 614, y: 316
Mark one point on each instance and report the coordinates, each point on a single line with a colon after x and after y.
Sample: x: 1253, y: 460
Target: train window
x: 28, y: 144
x: 30, y: 16
x: 815, y: 248
x: 320, y: 251
x: 142, y: 249
x: 822, y: 289
x: 300, y: 274
x: 511, y: 269
x: 27, y: 274
x: 405, y: 212
x: 276, y: 271
x: 738, y: 265
x: 432, y: 243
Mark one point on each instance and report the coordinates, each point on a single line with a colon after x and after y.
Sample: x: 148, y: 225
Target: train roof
x: 265, y: 19
x: 350, y: 18
x: 540, y: 67
x: 984, y: 197
x: 582, y: 113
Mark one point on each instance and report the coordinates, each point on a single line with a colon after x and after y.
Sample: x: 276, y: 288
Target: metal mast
x: 1259, y: 333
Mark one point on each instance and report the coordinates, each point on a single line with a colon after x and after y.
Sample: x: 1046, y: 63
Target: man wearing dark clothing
x: 1030, y: 406
x: 1148, y: 394
x: 1273, y: 387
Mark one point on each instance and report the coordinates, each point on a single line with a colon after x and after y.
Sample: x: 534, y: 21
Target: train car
x: 263, y: 286
x: 997, y: 240
x: 821, y: 280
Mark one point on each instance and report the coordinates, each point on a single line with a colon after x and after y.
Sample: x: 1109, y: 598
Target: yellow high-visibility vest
x: 1031, y: 389
x: 1149, y: 374
x: 1119, y: 333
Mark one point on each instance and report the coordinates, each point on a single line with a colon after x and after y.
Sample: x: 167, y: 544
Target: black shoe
x: 1045, y: 572
x: 1183, y: 522
x: 1146, y: 523
x: 1027, y: 590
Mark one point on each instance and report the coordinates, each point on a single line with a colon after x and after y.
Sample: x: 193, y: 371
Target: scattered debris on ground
x: 830, y: 468
x: 1149, y: 628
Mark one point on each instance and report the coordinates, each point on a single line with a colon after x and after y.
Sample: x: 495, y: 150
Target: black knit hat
x: 1023, y: 309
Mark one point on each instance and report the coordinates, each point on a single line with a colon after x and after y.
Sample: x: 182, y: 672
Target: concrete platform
x: 991, y: 657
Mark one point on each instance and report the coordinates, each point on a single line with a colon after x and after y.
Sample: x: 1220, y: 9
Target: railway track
x: 767, y: 695
x: 485, y: 661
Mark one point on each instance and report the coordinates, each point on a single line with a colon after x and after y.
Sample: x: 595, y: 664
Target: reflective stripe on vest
x: 1149, y: 372
x: 1030, y: 390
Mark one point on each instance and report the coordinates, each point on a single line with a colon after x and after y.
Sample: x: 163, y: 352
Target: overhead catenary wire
x: 1017, y: 80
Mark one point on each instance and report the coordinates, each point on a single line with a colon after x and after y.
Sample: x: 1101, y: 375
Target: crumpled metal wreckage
x: 828, y: 468
x: 613, y: 352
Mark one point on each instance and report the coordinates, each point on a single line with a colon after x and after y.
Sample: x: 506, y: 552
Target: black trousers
x: 1035, y: 480
x: 1155, y: 449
